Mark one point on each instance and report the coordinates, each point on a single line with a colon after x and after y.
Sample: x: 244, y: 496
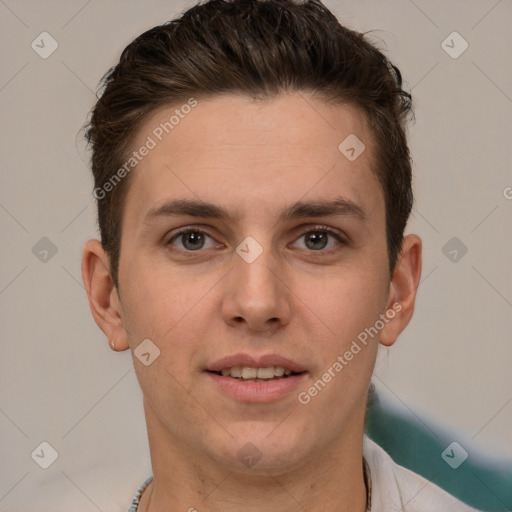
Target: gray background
x: 60, y: 381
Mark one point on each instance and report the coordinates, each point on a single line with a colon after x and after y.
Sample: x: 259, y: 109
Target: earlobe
x: 402, y: 290
x: 102, y: 295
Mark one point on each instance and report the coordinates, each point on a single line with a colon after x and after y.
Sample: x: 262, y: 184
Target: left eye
x: 317, y: 240
x: 192, y: 240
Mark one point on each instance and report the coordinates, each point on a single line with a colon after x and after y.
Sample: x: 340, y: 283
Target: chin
x: 262, y: 447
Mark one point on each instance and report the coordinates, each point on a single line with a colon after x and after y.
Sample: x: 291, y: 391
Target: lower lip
x: 257, y: 391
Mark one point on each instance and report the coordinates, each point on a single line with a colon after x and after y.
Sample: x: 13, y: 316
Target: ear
x: 102, y: 294
x: 402, y: 290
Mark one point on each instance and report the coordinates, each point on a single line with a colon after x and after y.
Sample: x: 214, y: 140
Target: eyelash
x: 308, y: 229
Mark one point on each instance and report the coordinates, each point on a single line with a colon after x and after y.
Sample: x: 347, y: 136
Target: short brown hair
x: 259, y: 48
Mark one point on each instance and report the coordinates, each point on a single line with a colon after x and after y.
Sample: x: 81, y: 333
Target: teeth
x: 236, y: 372
x: 249, y: 373
x: 279, y: 371
x: 265, y: 373
x: 246, y: 372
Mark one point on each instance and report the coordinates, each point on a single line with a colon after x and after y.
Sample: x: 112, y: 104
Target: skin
x: 299, y: 299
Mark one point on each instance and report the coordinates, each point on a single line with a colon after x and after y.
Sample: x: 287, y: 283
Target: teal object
x: 135, y: 502
x: 480, y: 481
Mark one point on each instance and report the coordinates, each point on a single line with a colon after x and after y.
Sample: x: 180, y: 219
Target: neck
x: 184, y: 480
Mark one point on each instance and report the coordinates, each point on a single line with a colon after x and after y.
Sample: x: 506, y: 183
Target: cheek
x: 347, y: 300
x: 167, y: 308
x: 350, y: 306
x: 172, y: 314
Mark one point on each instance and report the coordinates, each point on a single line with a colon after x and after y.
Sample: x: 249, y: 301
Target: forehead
x: 231, y: 149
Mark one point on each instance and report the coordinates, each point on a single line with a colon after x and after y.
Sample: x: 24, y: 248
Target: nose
x: 256, y: 296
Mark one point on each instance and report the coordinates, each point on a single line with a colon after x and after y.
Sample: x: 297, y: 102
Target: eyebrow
x: 194, y: 208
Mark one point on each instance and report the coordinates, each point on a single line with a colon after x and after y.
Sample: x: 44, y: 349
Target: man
x: 253, y: 183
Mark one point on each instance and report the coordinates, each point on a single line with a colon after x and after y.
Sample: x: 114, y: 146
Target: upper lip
x: 263, y: 361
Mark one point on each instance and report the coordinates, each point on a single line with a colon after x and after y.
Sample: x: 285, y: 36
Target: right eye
x: 191, y: 240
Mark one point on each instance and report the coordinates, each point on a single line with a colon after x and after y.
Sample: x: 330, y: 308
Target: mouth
x: 252, y: 374
x: 248, y: 378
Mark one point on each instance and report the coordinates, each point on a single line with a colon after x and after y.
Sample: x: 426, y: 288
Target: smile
x: 251, y: 378
x: 246, y: 373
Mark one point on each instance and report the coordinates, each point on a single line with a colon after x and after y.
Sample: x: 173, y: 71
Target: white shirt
x: 398, y: 489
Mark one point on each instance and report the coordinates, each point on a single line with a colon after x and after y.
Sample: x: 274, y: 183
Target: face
x: 251, y: 241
